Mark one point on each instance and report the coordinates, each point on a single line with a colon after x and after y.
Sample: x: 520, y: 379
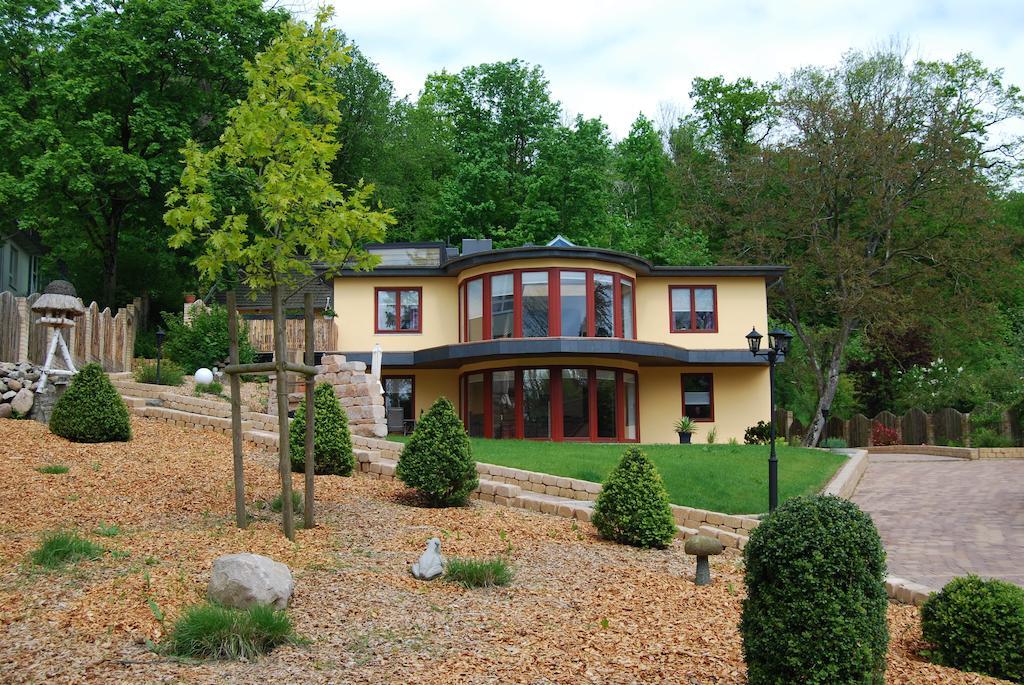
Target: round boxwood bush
x: 438, y: 461
x: 816, y: 601
x: 633, y: 505
x: 90, y: 410
x: 332, y: 442
x: 977, y: 625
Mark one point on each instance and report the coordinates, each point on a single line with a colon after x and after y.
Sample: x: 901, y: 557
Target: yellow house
x: 560, y: 342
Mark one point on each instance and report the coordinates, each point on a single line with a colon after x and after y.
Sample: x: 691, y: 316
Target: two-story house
x: 561, y: 342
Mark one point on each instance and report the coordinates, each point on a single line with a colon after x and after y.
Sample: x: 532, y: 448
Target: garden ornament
x: 431, y: 563
x: 59, y: 305
x: 702, y: 547
x: 203, y: 376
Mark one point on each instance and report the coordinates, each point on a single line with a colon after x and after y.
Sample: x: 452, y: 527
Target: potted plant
x: 329, y: 313
x: 686, y: 428
x: 189, y: 298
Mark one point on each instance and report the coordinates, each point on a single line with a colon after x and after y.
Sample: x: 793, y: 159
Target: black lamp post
x: 778, y: 345
x: 159, y: 348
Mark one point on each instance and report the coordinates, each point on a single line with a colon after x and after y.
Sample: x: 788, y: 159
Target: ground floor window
x: 698, y: 396
x: 551, y: 403
x: 399, y: 402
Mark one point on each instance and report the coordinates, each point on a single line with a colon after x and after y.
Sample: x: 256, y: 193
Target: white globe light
x: 204, y: 376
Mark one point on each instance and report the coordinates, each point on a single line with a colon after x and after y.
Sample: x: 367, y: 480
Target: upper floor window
x: 547, y: 302
x: 398, y: 310
x: 693, y: 309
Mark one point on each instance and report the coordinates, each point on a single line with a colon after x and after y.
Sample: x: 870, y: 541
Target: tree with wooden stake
x: 264, y: 203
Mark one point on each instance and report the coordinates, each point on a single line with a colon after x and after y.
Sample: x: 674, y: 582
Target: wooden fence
x: 98, y: 335
x: 261, y: 333
x: 943, y: 427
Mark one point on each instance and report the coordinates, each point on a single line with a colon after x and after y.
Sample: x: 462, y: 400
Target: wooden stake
x: 284, y: 464
x: 236, y: 413
x: 310, y: 411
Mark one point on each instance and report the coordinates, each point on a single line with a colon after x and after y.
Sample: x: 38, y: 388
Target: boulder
x: 14, y: 385
x: 8, y: 396
x: 244, y: 580
x: 22, y: 402
x: 5, y: 411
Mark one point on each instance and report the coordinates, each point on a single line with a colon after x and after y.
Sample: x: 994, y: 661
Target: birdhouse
x: 59, y: 306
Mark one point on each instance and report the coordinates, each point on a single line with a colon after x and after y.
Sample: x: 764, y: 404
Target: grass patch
x: 210, y: 631
x: 214, y: 388
x: 61, y: 548
x: 107, y: 530
x: 297, y: 504
x: 170, y: 373
x: 53, y: 469
x: 473, y: 573
x: 732, y: 479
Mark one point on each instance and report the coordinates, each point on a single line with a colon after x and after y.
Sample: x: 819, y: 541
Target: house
x: 560, y: 342
x: 19, y: 263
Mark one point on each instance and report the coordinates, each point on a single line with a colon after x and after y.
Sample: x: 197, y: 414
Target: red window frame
x: 711, y: 394
x: 398, y: 309
x: 693, y: 309
x: 556, y: 410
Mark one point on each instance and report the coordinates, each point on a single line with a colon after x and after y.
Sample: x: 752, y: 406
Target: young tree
x: 278, y: 146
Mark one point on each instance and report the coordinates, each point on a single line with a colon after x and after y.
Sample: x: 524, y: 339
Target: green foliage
x: 986, y: 437
x: 437, y: 461
x: 210, y: 631
x: 203, y: 341
x: 278, y: 145
x: 297, y: 503
x: 633, y: 506
x: 834, y: 443
x: 61, y: 548
x: 170, y: 373
x: 685, y: 425
x: 332, y: 441
x: 816, y: 603
x: 90, y: 410
x: 473, y: 573
x: 977, y: 625
x: 758, y: 434
x: 53, y: 469
x: 213, y: 388
x: 107, y: 530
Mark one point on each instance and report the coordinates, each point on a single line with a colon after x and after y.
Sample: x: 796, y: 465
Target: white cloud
x: 615, y: 59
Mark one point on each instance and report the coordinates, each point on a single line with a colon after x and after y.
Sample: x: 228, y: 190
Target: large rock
x: 242, y: 580
x: 5, y: 411
x: 14, y: 385
x: 22, y: 402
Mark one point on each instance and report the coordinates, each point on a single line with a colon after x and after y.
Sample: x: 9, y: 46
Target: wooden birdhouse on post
x: 59, y: 306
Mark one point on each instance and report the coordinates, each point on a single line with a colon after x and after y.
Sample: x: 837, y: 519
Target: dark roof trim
x: 643, y: 353
x: 26, y: 240
x: 641, y: 266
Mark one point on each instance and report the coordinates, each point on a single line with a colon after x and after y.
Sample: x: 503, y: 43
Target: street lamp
x: 159, y: 348
x: 778, y: 345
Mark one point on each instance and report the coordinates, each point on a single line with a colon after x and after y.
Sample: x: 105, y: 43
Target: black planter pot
x: 684, y: 438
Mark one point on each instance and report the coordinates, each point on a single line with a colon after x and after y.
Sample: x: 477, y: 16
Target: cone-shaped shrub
x: 815, y: 607
x: 332, y: 442
x: 438, y: 461
x: 633, y: 505
x: 90, y: 410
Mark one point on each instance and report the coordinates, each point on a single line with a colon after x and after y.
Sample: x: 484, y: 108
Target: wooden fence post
x: 310, y: 411
x: 236, y: 414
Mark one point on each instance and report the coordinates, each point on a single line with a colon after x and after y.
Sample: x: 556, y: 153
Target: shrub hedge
x: 758, y: 434
x: 90, y: 410
x: 977, y: 625
x: 438, y: 460
x: 170, y: 372
x: 332, y: 441
x: 815, y: 610
x: 203, y: 341
x: 633, y: 506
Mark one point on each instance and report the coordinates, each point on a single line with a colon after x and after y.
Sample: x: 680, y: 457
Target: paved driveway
x: 941, y: 517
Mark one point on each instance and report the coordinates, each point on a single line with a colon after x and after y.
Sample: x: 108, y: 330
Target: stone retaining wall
x: 958, y: 452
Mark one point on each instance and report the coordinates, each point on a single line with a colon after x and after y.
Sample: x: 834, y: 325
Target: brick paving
x: 941, y: 517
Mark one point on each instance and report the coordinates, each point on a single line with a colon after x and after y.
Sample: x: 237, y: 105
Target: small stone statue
x: 702, y: 547
x: 431, y: 563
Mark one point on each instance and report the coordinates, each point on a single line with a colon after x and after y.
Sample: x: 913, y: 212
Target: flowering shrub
x: 883, y: 435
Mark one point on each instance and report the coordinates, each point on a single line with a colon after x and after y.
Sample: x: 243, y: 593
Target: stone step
x: 196, y: 405
x: 120, y: 375
x: 367, y: 456
x: 150, y: 391
x: 134, y: 402
x: 261, y: 438
x: 187, y: 419
x: 261, y: 421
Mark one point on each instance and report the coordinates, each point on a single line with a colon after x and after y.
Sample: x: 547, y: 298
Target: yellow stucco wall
x: 354, y: 303
x: 741, y: 399
x: 546, y: 264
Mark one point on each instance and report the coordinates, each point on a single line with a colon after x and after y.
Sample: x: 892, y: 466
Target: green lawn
x: 732, y: 479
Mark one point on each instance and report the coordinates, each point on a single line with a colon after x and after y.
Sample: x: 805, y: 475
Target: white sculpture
x: 431, y: 563
x: 204, y: 376
x: 59, y: 305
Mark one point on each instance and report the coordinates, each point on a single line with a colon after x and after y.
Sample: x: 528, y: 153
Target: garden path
x: 942, y: 517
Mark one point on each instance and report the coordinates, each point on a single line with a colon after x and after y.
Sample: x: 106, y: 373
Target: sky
x: 617, y: 59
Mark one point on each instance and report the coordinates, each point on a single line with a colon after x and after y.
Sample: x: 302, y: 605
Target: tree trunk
x: 827, y: 392
x: 236, y: 413
x: 110, y: 270
x: 284, y: 463
x: 308, y: 513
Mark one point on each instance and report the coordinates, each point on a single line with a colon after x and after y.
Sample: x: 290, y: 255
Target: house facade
x: 19, y: 263
x: 560, y: 342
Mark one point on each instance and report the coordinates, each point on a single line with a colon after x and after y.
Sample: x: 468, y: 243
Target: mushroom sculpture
x: 702, y: 547
x: 59, y: 305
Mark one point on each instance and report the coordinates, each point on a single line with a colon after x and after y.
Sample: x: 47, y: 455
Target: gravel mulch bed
x: 579, y: 610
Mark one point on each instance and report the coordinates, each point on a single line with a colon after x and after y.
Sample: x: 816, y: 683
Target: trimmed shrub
x: 759, y: 434
x: 90, y: 410
x: 883, y: 435
x: 816, y: 601
x: 170, y: 373
x: 977, y: 625
x: 472, y: 573
x: 210, y: 631
x: 203, y: 341
x: 633, y: 506
x: 438, y: 460
x: 61, y: 548
x: 332, y: 441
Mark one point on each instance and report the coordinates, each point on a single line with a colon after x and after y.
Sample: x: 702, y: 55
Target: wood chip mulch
x: 579, y: 610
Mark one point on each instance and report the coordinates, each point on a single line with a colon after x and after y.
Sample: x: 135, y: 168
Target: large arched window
x: 552, y: 403
x: 538, y: 303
